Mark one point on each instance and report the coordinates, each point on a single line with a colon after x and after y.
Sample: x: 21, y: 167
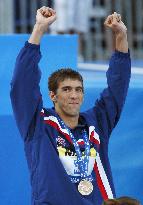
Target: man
x: 67, y: 151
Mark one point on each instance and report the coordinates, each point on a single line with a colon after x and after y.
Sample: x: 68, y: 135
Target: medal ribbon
x: 81, y: 161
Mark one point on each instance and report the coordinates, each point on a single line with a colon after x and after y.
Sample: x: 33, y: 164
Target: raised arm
x: 115, y: 23
x: 44, y: 18
x: 25, y: 92
x: 107, y: 109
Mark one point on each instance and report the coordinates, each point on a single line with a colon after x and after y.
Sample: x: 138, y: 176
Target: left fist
x: 115, y: 23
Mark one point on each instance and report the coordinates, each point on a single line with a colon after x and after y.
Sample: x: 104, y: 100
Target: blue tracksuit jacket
x: 49, y: 150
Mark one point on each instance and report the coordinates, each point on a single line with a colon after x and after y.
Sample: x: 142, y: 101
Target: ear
x: 53, y: 96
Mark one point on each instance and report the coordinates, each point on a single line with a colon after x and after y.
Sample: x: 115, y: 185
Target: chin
x: 73, y: 114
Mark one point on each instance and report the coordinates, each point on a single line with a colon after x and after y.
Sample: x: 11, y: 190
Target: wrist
x: 122, y: 42
x: 39, y: 28
x: 122, y: 35
x: 37, y: 33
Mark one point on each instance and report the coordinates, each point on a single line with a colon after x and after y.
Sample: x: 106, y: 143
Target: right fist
x: 45, y: 17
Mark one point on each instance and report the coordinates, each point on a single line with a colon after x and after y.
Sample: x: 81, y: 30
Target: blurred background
x: 77, y: 39
x: 18, y: 16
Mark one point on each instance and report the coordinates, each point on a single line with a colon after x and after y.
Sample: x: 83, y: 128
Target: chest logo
x: 61, y: 141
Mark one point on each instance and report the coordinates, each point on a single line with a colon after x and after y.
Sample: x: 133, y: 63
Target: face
x: 68, y: 98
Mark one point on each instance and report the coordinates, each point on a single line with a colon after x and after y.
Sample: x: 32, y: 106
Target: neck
x: 70, y: 121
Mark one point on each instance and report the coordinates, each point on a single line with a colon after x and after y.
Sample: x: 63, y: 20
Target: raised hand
x: 45, y: 17
x: 115, y: 23
x: 118, y: 27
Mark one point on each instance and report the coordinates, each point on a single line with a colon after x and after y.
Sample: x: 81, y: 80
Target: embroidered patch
x: 60, y: 141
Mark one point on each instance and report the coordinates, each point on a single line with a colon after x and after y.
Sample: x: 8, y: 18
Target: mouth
x: 74, y: 103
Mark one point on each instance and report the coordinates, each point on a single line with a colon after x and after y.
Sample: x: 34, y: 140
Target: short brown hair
x: 60, y: 75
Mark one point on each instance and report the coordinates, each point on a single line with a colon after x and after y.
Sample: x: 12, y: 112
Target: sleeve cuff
x: 30, y: 45
x: 121, y: 54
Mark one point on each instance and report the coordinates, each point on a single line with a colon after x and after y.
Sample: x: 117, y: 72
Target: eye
x: 66, y: 89
x: 79, y: 90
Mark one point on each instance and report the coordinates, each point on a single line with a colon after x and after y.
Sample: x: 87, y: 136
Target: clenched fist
x: 115, y: 23
x: 45, y: 17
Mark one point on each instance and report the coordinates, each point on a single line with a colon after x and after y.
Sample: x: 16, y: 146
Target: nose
x: 74, y: 94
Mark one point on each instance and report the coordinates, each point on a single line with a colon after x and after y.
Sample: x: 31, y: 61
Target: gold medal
x: 85, y: 187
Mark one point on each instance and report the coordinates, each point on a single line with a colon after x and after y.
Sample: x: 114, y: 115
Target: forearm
x: 25, y: 93
x: 121, y: 42
x: 36, y: 35
x: 118, y: 76
x: 44, y: 18
x: 26, y: 73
